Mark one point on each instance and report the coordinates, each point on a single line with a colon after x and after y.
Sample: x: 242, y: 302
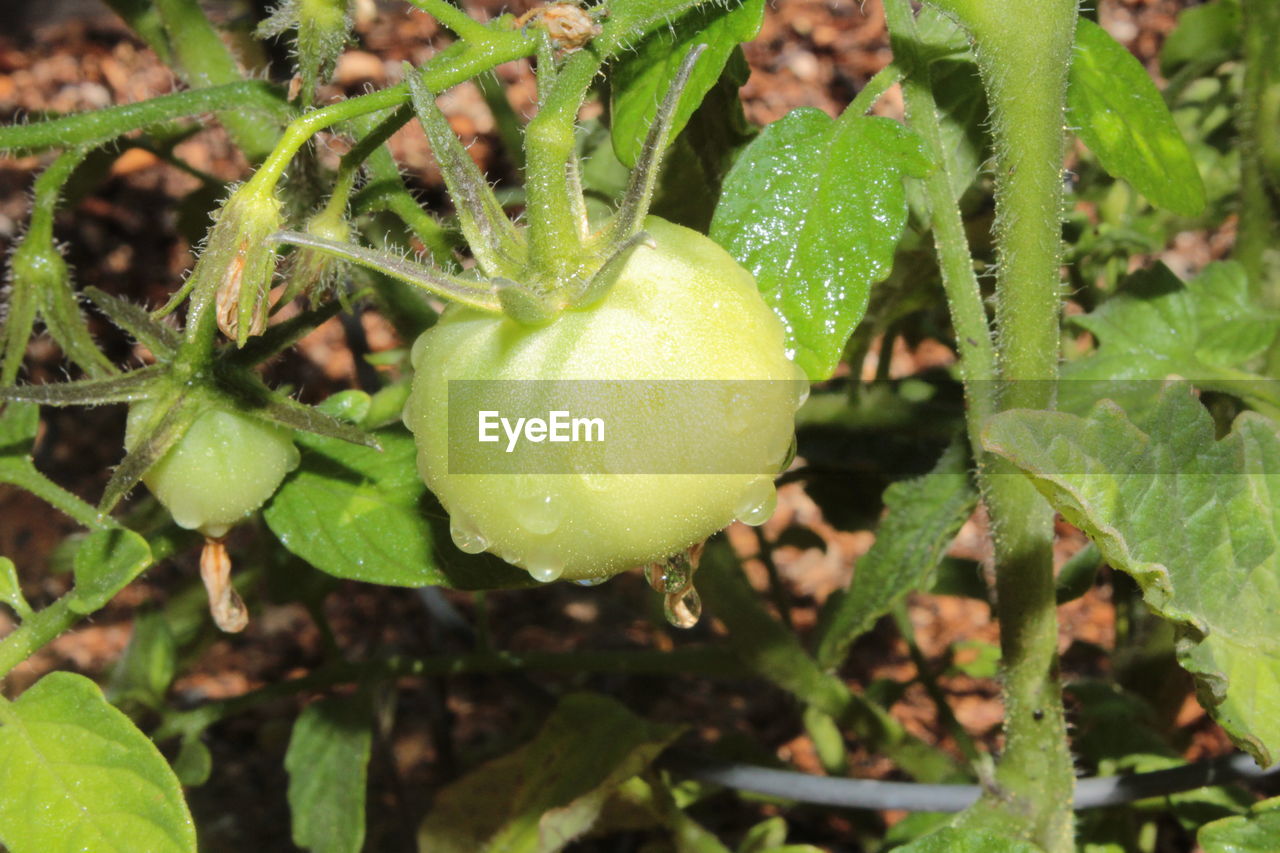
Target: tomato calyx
x: 182, y: 386
x: 514, y: 279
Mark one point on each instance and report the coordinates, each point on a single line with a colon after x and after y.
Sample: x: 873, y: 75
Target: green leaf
x: 1255, y: 832
x: 642, y: 77
x: 79, y: 776
x: 146, y: 669
x: 814, y: 209
x: 924, y: 516
x: 951, y: 840
x: 1158, y: 326
x: 363, y: 514
x: 328, y: 762
x: 1193, y: 520
x: 1119, y: 114
x: 1205, y: 34
x: 105, y: 562
x: 551, y: 790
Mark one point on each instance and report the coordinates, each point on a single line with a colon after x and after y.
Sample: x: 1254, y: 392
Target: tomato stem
x: 555, y: 242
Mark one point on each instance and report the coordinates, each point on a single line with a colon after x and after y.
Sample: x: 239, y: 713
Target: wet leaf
x: 364, y: 514
x: 814, y: 208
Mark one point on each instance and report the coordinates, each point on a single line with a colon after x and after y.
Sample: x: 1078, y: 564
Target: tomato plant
x: 646, y: 336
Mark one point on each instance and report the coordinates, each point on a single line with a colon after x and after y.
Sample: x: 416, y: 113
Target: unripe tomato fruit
x: 680, y: 309
x: 222, y: 469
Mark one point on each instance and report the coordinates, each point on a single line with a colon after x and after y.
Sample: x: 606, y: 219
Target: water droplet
x: 545, y: 566
x: 758, y: 502
x: 537, y: 514
x: 683, y: 609
x: 654, y: 576
x: 465, y: 535
x: 591, y: 581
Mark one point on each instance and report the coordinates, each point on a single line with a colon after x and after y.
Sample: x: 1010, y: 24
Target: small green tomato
x: 224, y: 467
x: 679, y: 308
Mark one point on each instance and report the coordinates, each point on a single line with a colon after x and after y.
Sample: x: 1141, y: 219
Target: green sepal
x: 495, y: 241
x: 174, y: 415
x: 522, y: 304
x: 124, y: 388
x: 155, y: 336
x: 432, y: 280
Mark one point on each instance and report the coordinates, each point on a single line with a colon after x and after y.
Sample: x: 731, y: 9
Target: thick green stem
x: 206, y: 61
x: 1259, y: 230
x: 1024, y: 50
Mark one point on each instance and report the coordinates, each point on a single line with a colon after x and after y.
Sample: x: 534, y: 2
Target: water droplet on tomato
x: 590, y: 581
x: 465, y: 535
x: 545, y: 568
x: 758, y: 502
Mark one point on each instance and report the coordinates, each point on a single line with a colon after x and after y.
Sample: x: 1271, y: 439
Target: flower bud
x: 239, y: 262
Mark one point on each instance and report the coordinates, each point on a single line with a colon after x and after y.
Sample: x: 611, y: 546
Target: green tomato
x: 222, y: 469
x: 680, y: 308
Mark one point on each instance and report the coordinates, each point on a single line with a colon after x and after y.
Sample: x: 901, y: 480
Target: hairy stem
x: 964, y: 296
x: 460, y: 61
x: 1024, y: 54
x: 549, y: 144
x: 95, y: 127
